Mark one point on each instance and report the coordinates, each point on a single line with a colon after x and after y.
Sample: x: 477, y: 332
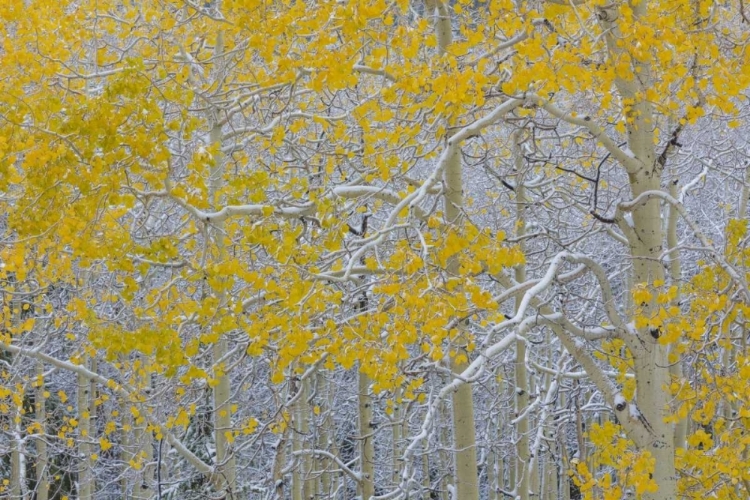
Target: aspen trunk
x: 93, y: 394
x: 651, y: 361
x: 522, y: 425
x: 17, y: 472
x: 42, y: 459
x: 550, y: 487
x: 511, y: 462
x: 675, y: 274
x: 305, y: 414
x: 564, y: 460
x: 396, y: 430
x: 367, y: 439
x: 222, y: 411
x: 445, y: 460
x: 491, y: 464
x: 646, y: 239
x: 301, y: 484
x: 125, y: 444
x: 467, y: 482
x: 17, y: 460
x: 462, y: 402
x: 85, y: 474
x: 326, y: 436
x: 144, y: 455
x: 538, y: 465
x: 426, y: 483
x: 521, y: 487
x: 297, y: 446
x: 278, y: 465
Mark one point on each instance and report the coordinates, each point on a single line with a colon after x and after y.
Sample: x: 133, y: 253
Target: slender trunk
x: 278, y: 465
x: 675, y: 275
x: 301, y: 483
x: 17, y: 467
x: 539, y: 466
x: 297, y: 445
x: 326, y: 437
x: 462, y: 403
x: 125, y: 445
x: 305, y: 414
x: 396, y: 430
x: 225, y: 460
x: 510, y: 463
x: 42, y: 459
x: 92, y: 416
x: 564, y: 460
x: 143, y: 455
x: 522, y: 426
x: 464, y: 434
x: 17, y: 472
x: 523, y: 473
x: 550, y: 488
x: 580, y: 439
x: 367, y: 439
x: 745, y: 196
x: 491, y: 463
x: 85, y: 474
x: 444, y: 464
x: 222, y: 412
x: 426, y: 483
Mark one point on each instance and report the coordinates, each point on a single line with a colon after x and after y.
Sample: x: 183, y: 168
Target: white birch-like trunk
x: 302, y: 486
x: 491, y: 479
x: 675, y: 274
x: 651, y: 358
x: 222, y: 412
x: 366, y: 438
x: 326, y: 436
x: 462, y: 402
x: 125, y: 444
x: 278, y: 465
x: 143, y: 442
x: 42, y: 459
x: 521, y: 487
x: 17, y: 472
x: 396, y: 432
x: 426, y: 483
x: 85, y: 473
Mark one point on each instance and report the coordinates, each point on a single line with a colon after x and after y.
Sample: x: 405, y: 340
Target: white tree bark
x: 462, y: 401
x: 523, y: 472
x: 85, y: 473
x: 226, y: 478
x: 366, y: 438
x: 143, y: 451
x: 302, y: 485
x: 17, y: 460
x: 42, y: 458
x: 675, y: 274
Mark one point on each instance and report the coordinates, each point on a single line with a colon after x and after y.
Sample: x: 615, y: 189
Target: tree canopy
x: 327, y: 249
